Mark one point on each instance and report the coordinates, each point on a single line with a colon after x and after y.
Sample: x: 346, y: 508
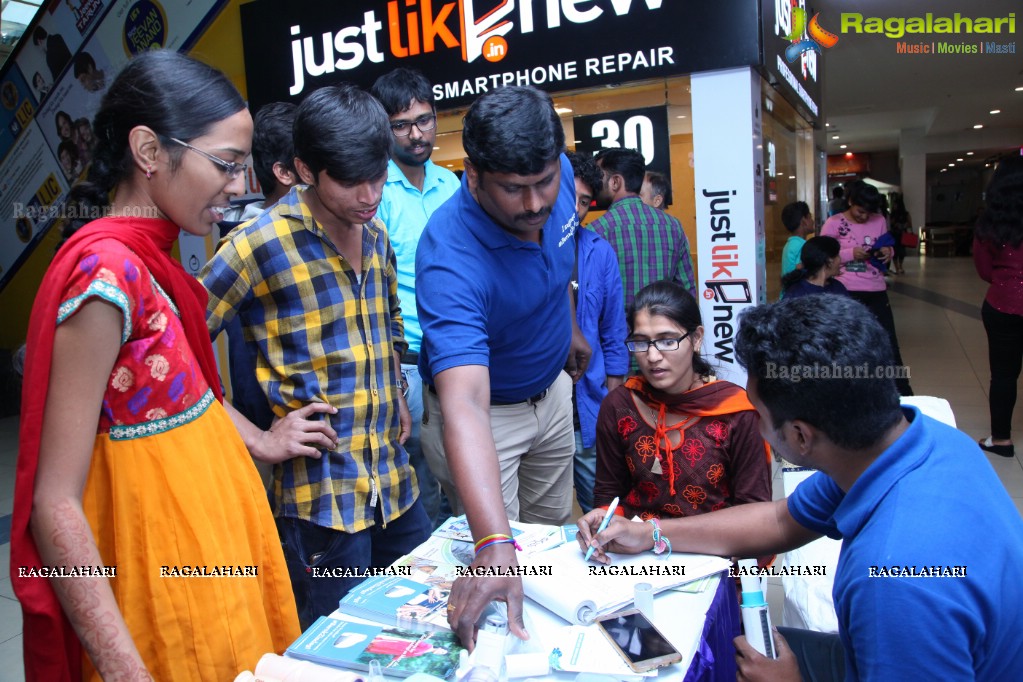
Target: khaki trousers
x: 535, y: 446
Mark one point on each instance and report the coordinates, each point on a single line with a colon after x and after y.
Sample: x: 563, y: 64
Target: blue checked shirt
x: 322, y: 336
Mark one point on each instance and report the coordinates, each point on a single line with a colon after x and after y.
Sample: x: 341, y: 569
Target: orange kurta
x: 172, y: 493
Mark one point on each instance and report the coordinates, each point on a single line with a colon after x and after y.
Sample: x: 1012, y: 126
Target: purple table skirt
x: 714, y: 660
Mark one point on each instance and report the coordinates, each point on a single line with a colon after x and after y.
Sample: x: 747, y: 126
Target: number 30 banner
x: 645, y: 130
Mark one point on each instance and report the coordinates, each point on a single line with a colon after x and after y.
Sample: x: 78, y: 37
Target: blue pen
x: 603, y: 524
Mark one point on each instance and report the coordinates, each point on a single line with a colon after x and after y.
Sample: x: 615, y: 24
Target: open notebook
x: 581, y: 591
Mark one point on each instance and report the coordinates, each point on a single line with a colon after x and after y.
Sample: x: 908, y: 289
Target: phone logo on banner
x: 419, y: 29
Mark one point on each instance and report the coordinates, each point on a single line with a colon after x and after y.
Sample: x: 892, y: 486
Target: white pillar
x: 729, y: 178
x: 914, y: 186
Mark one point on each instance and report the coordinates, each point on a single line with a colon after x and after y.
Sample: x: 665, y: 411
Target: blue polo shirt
x: 405, y: 210
x: 930, y: 501
x: 487, y: 298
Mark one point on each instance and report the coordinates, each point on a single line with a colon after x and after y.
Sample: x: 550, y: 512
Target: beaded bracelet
x: 661, y: 543
x: 496, y: 539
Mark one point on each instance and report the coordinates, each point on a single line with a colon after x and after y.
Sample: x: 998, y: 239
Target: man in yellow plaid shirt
x: 314, y: 284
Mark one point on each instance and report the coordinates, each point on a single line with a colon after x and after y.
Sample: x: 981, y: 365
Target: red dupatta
x: 51, y: 647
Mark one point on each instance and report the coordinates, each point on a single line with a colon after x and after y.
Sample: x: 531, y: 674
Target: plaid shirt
x: 649, y: 243
x: 323, y: 336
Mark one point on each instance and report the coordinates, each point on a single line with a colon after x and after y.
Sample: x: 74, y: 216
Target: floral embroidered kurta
x: 706, y: 455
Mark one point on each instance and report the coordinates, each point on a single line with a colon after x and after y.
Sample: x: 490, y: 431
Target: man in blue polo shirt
x: 925, y: 587
x: 492, y: 289
x: 415, y: 188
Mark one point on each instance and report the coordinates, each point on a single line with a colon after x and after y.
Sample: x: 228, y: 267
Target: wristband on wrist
x: 661, y: 543
x: 496, y: 539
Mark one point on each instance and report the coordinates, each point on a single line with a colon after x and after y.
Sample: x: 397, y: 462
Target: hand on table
x: 755, y: 667
x: 625, y: 537
x: 471, y: 595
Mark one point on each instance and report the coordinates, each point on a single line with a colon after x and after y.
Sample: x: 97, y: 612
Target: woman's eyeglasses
x: 230, y: 168
x: 660, y: 344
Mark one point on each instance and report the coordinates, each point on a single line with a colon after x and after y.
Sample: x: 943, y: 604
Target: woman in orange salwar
x: 128, y: 458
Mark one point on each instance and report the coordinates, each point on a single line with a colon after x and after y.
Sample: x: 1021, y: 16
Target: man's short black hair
x: 39, y: 35
x: 585, y: 169
x: 84, y: 63
x: 628, y: 163
x: 795, y: 347
x: 512, y: 130
x: 396, y: 90
x: 792, y: 215
x: 659, y: 185
x: 837, y: 192
x: 273, y: 142
x: 344, y: 131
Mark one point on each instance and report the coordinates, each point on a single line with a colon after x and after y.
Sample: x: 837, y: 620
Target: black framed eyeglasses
x: 660, y: 344
x: 230, y: 168
x: 424, y: 123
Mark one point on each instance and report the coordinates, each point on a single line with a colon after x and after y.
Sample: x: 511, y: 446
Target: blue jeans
x: 584, y: 473
x: 308, y: 546
x: 429, y: 488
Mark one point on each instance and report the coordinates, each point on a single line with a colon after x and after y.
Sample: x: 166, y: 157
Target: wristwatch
x: 402, y: 385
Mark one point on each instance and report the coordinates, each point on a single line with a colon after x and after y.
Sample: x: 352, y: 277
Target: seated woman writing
x: 674, y: 442
x: 821, y: 265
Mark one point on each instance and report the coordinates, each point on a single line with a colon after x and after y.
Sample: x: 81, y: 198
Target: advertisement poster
x: 134, y: 26
x: 66, y: 116
x: 53, y: 42
x: 52, y: 88
x: 30, y: 190
x: 16, y: 109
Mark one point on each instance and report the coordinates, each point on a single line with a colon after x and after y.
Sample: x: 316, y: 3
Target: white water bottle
x: 756, y: 618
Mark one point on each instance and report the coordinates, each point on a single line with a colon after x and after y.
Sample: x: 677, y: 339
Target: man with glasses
x: 313, y: 281
x: 415, y: 188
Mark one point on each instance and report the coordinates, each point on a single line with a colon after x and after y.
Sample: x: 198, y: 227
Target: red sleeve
x: 612, y: 476
x: 749, y: 469
x: 110, y: 272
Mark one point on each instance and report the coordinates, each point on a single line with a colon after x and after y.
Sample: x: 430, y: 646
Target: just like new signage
x: 470, y: 46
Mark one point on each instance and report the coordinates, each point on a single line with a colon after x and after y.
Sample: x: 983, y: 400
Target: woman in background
x: 821, y: 264
x: 128, y: 459
x: 673, y: 441
x: 998, y: 255
x: 900, y: 224
x: 857, y: 230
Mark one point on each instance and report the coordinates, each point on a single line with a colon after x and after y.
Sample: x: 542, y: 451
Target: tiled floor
x: 937, y: 311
